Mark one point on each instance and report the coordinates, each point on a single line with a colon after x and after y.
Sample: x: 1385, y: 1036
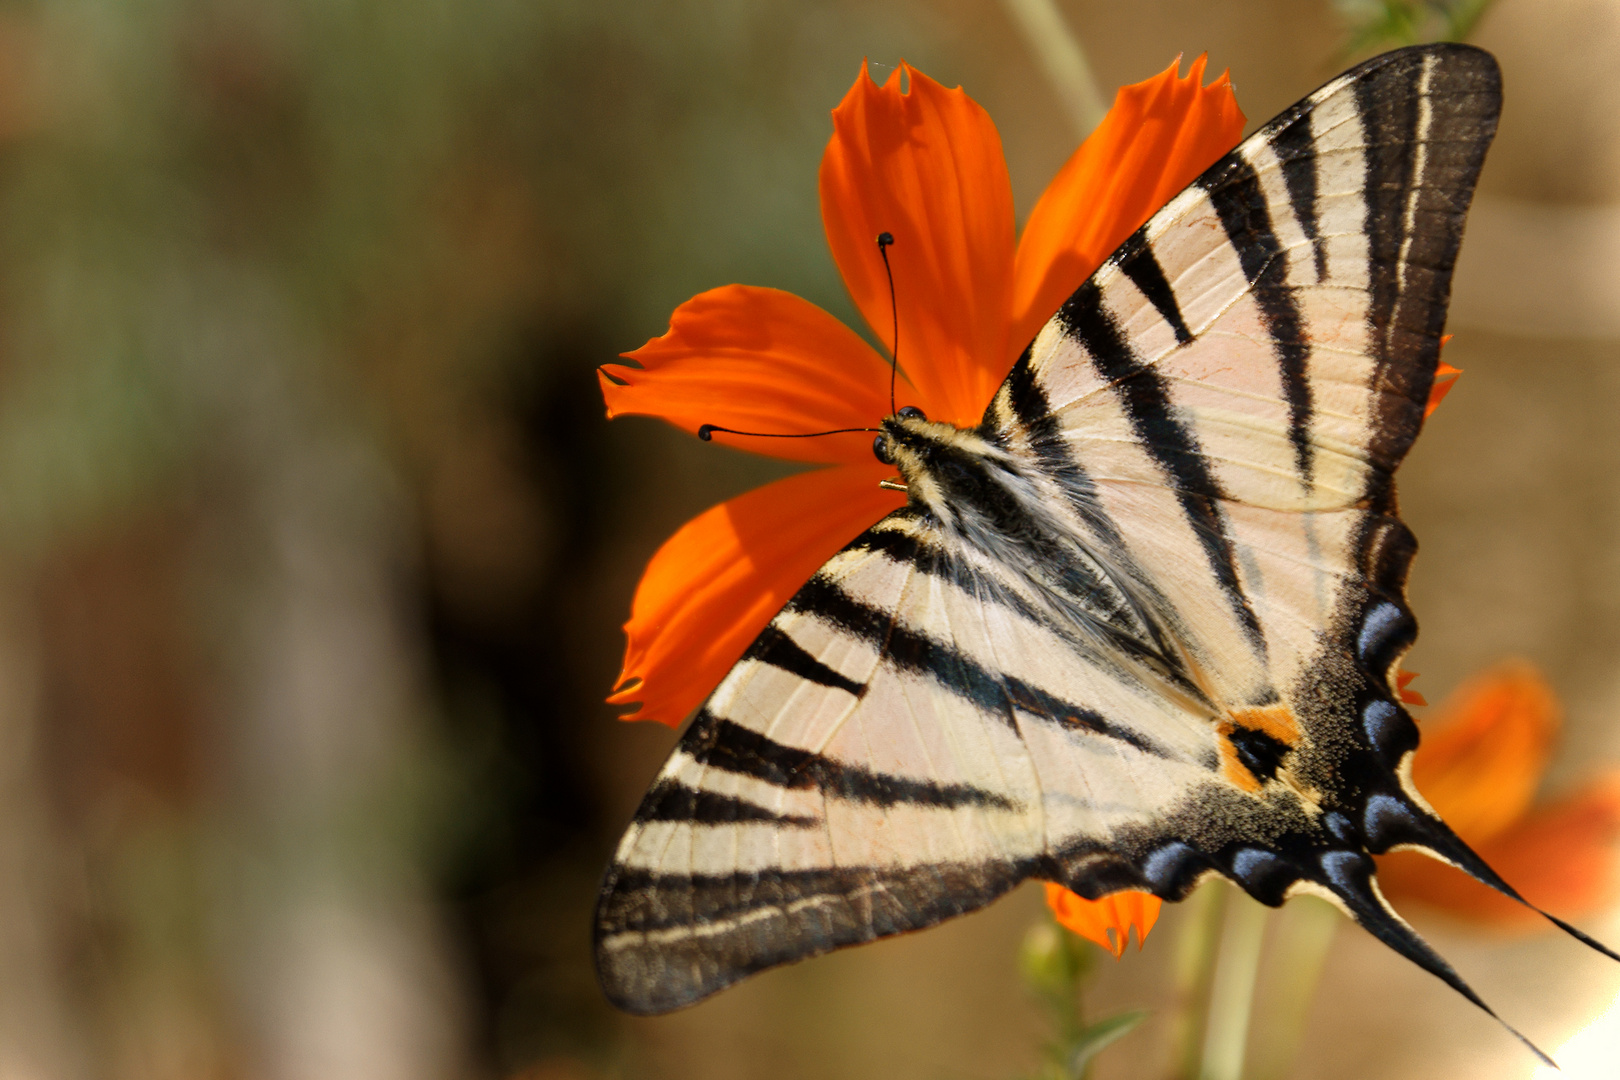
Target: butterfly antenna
x: 706, y: 432
x: 884, y: 239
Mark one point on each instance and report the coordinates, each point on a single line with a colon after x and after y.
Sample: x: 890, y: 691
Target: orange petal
x: 925, y: 166
x: 757, y: 360
x: 1157, y: 138
x: 1562, y: 857
x: 712, y: 587
x: 1107, y: 921
x: 1484, y: 750
x: 1445, y: 377
x: 1403, y: 679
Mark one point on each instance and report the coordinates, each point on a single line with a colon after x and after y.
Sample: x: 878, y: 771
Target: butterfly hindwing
x: 1165, y: 647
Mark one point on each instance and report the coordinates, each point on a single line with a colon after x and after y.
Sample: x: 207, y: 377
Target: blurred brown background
x: 314, y: 544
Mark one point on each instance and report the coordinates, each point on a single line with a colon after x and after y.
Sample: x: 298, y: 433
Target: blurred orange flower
x: 1479, y: 764
x: 923, y: 164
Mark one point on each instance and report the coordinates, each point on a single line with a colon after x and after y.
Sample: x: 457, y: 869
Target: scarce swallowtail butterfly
x: 1139, y: 626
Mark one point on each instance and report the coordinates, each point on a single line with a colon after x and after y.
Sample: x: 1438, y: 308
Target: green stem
x: 1058, y: 51
x: 1295, y: 957
x: 1231, y: 995
x: 1198, y: 936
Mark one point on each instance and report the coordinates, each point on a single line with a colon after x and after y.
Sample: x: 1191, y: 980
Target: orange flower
x: 1479, y: 764
x: 1107, y: 921
x: 924, y: 165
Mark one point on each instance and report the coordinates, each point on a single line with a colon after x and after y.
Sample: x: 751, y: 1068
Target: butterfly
x: 1138, y: 627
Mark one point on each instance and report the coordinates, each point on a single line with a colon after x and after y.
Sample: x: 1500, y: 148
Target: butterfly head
x: 888, y: 438
x: 945, y: 468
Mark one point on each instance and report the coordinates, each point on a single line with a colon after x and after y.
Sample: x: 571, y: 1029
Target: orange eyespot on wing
x: 1254, y: 742
x: 1276, y: 721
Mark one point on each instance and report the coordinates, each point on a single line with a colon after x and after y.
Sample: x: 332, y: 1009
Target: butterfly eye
x: 910, y: 412
x: 880, y: 450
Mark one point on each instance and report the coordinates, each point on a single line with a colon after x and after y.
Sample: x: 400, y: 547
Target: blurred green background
x: 314, y: 543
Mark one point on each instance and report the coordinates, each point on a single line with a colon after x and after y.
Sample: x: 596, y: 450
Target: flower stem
x: 1231, y: 995
x: 1298, y: 951
x: 1198, y: 936
x: 1057, y: 49
x: 1056, y: 966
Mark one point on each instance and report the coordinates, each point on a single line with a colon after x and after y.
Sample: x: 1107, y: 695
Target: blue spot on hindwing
x: 1249, y: 863
x: 1379, y: 628
x: 1388, y: 729
x: 1345, y: 869
x: 1379, y: 719
x: 1166, y: 864
x: 1339, y: 826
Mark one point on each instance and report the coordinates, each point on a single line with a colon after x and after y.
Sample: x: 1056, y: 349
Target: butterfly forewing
x: 1204, y: 437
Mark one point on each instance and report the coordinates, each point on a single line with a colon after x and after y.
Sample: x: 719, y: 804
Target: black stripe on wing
x: 1088, y: 593
x: 780, y: 651
x: 1389, y: 121
x: 1147, y: 275
x: 714, y: 899
x: 1022, y: 403
x: 1032, y: 410
x: 672, y: 800
x: 938, y: 561
x: 1234, y: 190
x: 1295, y: 146
x: 994, y: 694
x: 1145, y: 396
x: 1409, y: 271
x: 722, y: 744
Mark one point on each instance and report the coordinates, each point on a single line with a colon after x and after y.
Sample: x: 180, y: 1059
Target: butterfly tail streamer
x: 1352, y: 885
x: 1436, y: 839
